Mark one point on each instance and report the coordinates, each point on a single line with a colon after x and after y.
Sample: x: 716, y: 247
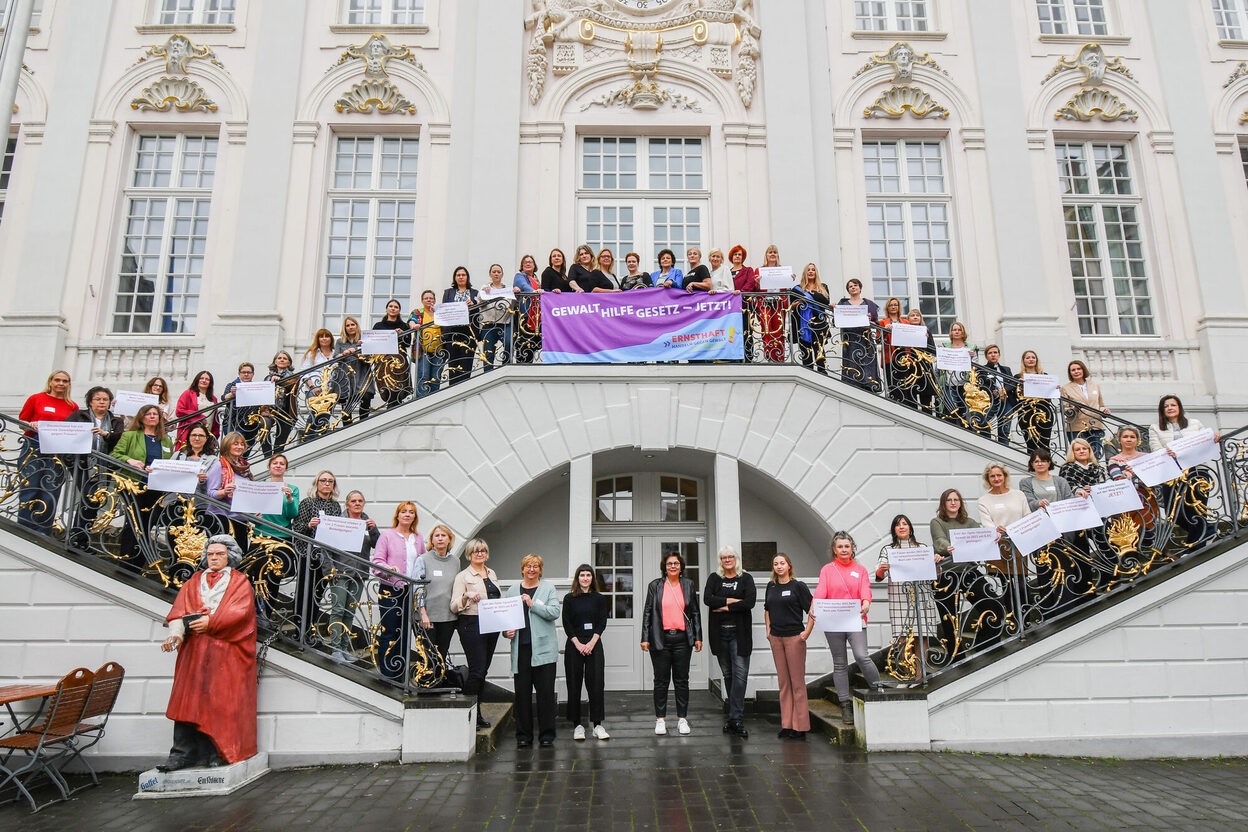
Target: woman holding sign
x: 911, y: 603
x: 858, y: 343
x: 670, y: 625
x: 1192, y: 491
x: 472, y: 586
x: 1035, y: 416
x: 143, y: 443
x: 952, y: 396
x: 810, y: 323
x: 229, y: 467
x: 1081, y: 469
x: 392, y: 373
x: 999, y: 507
x: 772, y: 312
x: 535, y: 653
x: 194, y: 399
x: 495, y: 319
x: 845, y: 579
x: 1043, y: 486
x: 159, y: 388
x: 459, y: 340
x: 950, y: 514
x: 322, y: 500
x: 784, y: 612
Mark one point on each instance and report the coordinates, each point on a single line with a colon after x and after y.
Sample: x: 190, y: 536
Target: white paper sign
x: 254, y: 393
x: 1196, y: 449
x: 1116, y: 497
x: 953, y: 359
x: 974, y: 545
x: 128, y: 402
x: 342, y: 533
x: 1035, y: 531
x: 834, y: 615
x: 1156, y: 468
x: 65, y: 437
x: 915, y: 563
x: 776, y: 278
x: 451, y: 314
x: 493, y: 296
x: 909, y: 335
x: 257, y: 497
x: 494, y: 615
x: 1074, y: 515
x: 379, y: 342
x: 180, y: 475
x: 1040, y: 386
x: 849, y: 316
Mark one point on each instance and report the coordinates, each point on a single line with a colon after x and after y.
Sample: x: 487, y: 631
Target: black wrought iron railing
x: 974, y: 607
x: 310, y: 596
x: 779, y: 329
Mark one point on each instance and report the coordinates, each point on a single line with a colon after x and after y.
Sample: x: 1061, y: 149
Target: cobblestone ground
x: 706, y: 781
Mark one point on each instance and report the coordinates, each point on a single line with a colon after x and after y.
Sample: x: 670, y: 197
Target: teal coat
x: 133, y: 445
x: 546, y: 610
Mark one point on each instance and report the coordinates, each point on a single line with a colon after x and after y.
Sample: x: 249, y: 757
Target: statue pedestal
x: 201, y: 782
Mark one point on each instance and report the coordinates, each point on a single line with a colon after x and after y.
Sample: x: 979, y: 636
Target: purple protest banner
x: 641, y: 325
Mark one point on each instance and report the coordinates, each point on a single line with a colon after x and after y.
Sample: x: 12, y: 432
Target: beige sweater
x: 468, y: 582
x: 1002, y: 509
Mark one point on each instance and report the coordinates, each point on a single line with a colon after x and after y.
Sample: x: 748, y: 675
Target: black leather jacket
x: 652, y: 619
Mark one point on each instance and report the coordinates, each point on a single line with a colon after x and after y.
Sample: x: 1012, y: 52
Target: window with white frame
x: 1243, y: 159
x: 6, y: 169
x: 372, y: 227
x: 891, y: 15
x: 384, y: 12
x: 643, y: 194
x: 1101, y: 210
x: 165, y: 234
x: 1229, y: 16
x: 909, y: 228
x: 1072, y: 17
x: 196, y: 12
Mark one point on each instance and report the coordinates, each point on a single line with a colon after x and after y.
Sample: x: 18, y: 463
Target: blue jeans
x: 429, y: 373
x: 736, y: 671
x: 491, y: 336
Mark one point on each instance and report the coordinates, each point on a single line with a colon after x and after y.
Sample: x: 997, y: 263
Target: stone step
x: 500, y: 717
x: 825, y: 718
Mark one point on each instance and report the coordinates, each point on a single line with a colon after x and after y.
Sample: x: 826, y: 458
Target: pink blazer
x: 391, y: 552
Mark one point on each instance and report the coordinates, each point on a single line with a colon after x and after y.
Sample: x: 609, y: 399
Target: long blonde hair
x: 47, y: 385
x: 818, y: 283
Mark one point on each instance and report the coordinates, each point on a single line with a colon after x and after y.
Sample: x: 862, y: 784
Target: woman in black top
x: 584, y: 622
x: 698, y: 278
x: 730, y: 594
x: 555, y: 275
x: 787, y: 601
x: 459, y: 340
x: 635, y: 279
x: 392, y: 373
x: 583, y: 276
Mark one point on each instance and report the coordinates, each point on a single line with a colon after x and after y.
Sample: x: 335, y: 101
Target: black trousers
x: 671, y: 665
x: 443, y: 631
x: 587, y: 669
x: 479, y: 650
x: 528, y: 680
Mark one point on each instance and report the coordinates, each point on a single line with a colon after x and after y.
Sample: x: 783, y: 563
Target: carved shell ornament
x: 1093, y: 102
x: 181, y: 94
x: 372, y: 94
x: 897, y: 99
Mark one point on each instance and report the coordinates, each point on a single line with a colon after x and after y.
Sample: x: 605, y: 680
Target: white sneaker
x: 682, y: 726
x: 578, y: 733
x: 601, y: 733
x: 660, y: 726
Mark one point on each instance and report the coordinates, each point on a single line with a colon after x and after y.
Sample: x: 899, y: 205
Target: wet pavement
x: 705, y: 781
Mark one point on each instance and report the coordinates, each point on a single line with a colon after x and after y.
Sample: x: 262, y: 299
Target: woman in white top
x: 721, y: 274
x: 1000, y: 507
x: 1192, y: 492
x: 321, y: 351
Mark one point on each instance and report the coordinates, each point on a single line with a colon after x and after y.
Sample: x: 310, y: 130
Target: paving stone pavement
x: 706, y: 781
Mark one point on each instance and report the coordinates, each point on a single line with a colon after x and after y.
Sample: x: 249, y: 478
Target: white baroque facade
x: 192, y: 188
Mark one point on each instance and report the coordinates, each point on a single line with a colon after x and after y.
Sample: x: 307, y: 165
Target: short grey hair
x: 233, y: 552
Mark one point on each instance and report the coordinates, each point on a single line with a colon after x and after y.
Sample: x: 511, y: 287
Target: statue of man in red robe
x: 213, y: 627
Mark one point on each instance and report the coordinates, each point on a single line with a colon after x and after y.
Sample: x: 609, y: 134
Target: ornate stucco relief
x: 174, y: 91
x: 376, y: 93
x: 1092, y: 60
x: 903, y: 95
x: 715, y: 36
x: 1092, y: 102
x: 897, y: 99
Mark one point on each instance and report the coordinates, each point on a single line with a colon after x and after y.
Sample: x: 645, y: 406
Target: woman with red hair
x: 745, y: 279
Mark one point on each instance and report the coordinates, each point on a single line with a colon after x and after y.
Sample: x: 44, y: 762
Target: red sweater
x: 42, y: 407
